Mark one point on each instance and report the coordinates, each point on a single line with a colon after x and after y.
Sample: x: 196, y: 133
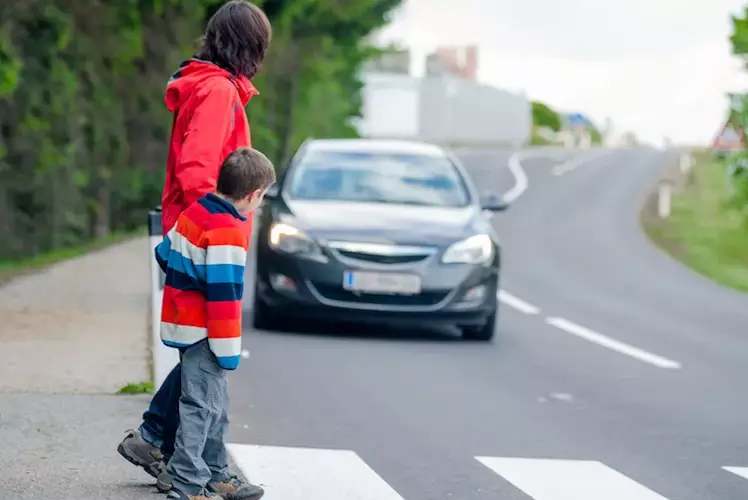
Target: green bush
x: 83, y: 128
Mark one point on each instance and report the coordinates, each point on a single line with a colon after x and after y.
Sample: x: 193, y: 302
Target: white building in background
x: 391, y: 106
x: 442, y: 107
x: 456, y: 110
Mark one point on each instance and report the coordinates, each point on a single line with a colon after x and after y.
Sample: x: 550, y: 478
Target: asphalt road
x: 617, y: 373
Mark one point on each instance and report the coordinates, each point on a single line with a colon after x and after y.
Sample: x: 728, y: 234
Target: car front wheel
x: 483, y: 332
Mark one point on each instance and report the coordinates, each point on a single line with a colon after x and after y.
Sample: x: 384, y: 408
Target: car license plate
x: 385, y: 283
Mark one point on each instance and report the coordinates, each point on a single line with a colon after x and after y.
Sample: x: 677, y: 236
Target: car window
x: 378, y: 177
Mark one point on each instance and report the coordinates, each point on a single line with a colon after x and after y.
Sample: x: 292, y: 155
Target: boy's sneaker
x: 236, y: 489
x: 139, y: 452
x: 163, y: 482
x: 203, y: 495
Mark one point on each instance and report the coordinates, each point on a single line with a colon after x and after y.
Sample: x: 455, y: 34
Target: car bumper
x: 464, y: 295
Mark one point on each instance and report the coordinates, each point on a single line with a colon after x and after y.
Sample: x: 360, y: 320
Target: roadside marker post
x: 164, y: 358
x: 686, y: 163
x: 664, y: 195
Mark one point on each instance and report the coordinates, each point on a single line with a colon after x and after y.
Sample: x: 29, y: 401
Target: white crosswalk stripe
x: 310, y: 474
x: 289, y: 473
x: 739, y: 471
x: 543, y: 479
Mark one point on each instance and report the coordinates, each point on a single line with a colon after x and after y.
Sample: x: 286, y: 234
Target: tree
x: 83, y: 128
x: 544, y: 116
x: 736, y: 163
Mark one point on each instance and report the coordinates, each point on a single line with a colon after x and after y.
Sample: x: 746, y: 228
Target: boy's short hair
x: 244, y: 171
x: 237, y: 38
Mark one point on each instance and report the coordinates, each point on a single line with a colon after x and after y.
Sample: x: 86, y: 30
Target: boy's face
x: 251, y: 202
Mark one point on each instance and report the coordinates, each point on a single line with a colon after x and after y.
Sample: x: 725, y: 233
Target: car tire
x: 263, y: 317
x: 483, y: 332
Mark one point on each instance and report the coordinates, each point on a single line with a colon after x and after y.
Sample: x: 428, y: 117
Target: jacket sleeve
x: 225, y: 260
x: 163, y: 250
x: 206, y: 134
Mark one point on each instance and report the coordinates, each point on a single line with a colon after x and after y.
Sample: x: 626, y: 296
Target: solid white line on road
x: 310, y: 474
x: 543, y: 479
x: 740, y: 471
x: 575, y: 163
x: 520, y: 179
x: 612, y: 344
x: 507, y: 298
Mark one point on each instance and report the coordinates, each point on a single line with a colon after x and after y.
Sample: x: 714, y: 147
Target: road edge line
x: 612, y: 344
x: 520, y: 305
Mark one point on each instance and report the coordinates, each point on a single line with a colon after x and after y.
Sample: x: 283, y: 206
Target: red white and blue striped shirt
x: 203, y: 257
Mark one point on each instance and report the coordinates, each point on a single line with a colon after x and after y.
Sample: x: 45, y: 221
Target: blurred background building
x: 447, y: 105
x: 457, y: 61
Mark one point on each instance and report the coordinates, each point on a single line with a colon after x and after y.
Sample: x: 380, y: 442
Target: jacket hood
x: 192, y: 73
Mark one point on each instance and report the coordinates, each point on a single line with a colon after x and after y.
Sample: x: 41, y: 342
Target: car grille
x: 339, y: 294
x: 383, y: 259
x: 383, y: 254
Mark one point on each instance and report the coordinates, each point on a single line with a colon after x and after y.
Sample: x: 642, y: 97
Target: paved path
x: 79, y: 326
x: 63, y: 447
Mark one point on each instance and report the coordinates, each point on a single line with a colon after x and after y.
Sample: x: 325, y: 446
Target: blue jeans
x: 200, y: 454
x: 161, y: 420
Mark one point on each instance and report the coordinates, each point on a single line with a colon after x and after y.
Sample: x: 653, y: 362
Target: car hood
x: 384, y: 222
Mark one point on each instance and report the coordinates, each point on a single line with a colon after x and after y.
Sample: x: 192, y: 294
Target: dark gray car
x: 390, y: 232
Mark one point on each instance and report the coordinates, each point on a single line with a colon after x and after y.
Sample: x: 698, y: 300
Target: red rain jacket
x: 209, y: 123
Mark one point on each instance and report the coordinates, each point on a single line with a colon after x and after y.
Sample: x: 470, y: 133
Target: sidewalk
x: 80, y: 326
x: 70, y: 338
x: 63, y: 447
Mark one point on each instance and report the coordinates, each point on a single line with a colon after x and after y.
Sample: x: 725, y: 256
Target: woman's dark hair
x: 236, y: 38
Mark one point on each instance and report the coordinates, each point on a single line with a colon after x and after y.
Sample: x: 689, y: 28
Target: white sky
x: 656, y: 67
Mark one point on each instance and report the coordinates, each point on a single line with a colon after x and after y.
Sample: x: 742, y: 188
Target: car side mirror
x: 494, y: 202
x: 273, y: 192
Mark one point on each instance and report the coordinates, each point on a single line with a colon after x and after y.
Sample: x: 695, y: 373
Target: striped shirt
x: 203, y: 257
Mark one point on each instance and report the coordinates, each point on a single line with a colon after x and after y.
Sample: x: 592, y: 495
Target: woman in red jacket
x: 206, y: 96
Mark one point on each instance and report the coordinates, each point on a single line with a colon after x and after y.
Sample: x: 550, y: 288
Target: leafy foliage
x: 83, y: 128
x: 739, y: 38
x: 737, y: 164
x: 544, y: 116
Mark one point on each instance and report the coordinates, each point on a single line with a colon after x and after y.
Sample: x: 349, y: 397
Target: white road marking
x: 612, y: 344
x: 506, y: 298
x: 520, y: 179
x: 543, y: 479
x: 310, y: 474
x: 575, y: 163
x: 740, y: 471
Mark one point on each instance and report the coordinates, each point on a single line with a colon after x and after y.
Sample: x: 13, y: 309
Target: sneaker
x: 236, y: 489
x: 163, y: 482
x: 139, y: 452
x: 203, y: 495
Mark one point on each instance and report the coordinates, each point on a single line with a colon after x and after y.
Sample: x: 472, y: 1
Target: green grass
x: 701, y: 231
x: 10, y: 269
x: 141, y: 388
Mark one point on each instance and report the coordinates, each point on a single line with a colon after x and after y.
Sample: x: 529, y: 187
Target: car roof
x: 376, y: 145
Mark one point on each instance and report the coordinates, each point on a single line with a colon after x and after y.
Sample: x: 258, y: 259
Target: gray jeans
x: 199, y: 451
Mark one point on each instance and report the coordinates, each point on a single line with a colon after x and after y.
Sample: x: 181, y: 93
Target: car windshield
x: 382, y: 177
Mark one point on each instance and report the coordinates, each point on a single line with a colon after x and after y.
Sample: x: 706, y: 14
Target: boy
x: 203, y: 257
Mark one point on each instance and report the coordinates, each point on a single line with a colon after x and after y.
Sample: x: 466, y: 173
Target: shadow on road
x: 361, y: 331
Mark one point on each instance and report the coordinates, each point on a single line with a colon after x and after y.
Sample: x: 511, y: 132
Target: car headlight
x: 477, y: 249
x: 289, y: 239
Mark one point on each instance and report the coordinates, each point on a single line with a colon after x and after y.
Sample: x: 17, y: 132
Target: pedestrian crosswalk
x: 289, y: 473
x: 568, y: 479
x: 310, y: 474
